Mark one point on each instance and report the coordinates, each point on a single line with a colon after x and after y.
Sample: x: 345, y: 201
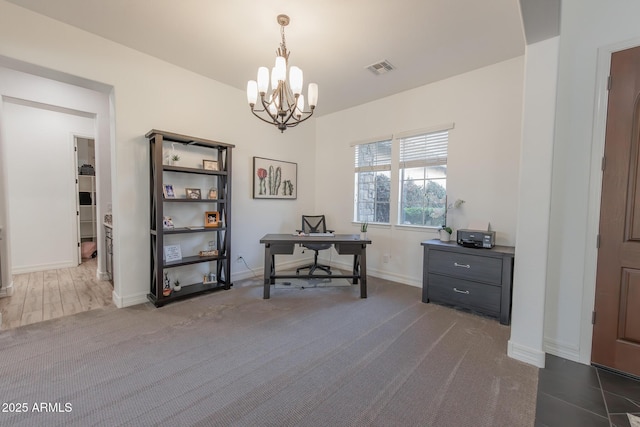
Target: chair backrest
x: 313, y: 224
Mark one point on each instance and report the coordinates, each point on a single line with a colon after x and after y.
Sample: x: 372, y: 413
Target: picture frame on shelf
x: 211, y: 219
x: 213, y: 194
x: 168, y: 192
x: 172, y: 253
x: 274, y: 179
x: 210, y: 165
x: 193, y: 193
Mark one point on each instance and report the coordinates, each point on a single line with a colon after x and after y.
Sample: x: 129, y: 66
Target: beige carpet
x: 318, y: 358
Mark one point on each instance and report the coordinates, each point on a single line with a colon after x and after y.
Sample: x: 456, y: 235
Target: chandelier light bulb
x: 295, y: 79
x: 280, y: 69
x: 274, y: 79
x: 263, y: 80
x: 252, y: 92
x: 313, y: 95
x: 300, y: 106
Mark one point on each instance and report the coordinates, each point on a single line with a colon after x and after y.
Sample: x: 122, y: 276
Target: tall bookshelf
x: 87, y: 208
x: 189, y: 232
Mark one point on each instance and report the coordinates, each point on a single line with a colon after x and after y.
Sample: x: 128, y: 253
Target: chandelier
x: 284, y: 105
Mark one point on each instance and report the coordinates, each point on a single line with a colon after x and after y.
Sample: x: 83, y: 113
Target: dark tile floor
x: 572, y: 394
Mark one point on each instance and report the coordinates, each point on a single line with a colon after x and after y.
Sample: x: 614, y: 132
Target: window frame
x: 396, y: 168
x: 426, y: 151
x: 380, y: 164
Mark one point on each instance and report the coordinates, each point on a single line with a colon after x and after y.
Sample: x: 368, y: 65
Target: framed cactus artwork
x: 274, y: 179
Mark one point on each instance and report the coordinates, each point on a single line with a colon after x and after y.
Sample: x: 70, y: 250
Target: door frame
x: 603, y: 68
x: 75, y: 164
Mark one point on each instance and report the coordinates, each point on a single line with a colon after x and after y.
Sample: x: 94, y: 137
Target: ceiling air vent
x: 381, y: 67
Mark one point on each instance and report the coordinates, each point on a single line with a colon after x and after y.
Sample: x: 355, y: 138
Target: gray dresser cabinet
x: 479, y: 280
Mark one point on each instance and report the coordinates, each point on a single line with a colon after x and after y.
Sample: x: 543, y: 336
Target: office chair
x: 315, y: 224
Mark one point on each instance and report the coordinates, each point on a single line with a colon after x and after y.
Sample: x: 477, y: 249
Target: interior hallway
x: 49, y: 294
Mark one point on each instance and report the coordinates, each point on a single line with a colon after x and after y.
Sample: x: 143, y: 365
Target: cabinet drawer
x: 465, y: 266
x: 476, y: 296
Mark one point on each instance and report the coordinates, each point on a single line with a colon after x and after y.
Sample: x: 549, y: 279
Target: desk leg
x: 268, y: 267
x: 356, y: 269
x: 363, y: 272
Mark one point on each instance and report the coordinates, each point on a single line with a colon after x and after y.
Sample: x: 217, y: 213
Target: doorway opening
x: 86, y: 212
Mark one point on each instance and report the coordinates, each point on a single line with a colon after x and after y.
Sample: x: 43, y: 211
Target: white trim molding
x: 525, y: 354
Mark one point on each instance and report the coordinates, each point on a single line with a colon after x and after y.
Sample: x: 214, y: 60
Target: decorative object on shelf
x: 167, y: 223
x: 445, y: 233
x: 172, y: 253
x: 211, y: 219
x: 167, y: 191
x: 209, y: 278
x: 284, y: 106
x: 210, y: 165
x: 86, y: 169
x: 363, y: 230
x: 172, y: 157
x: 213, y: 194
x: 212, y: 252
x: 166, y: 289
x: 274, y: 179
x: 451, y: 207
x: 176, y: 286
x: 193, y: 193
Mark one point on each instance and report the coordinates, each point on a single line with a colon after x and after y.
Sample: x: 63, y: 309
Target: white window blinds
x: 374, y: 156
x: 429, y: 149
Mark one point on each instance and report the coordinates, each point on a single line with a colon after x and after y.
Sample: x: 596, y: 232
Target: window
x: 423, y: 179
x: 372, y: 181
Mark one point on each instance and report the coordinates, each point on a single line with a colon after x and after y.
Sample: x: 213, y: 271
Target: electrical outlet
x: 239, y: 258
x: 385, y: 258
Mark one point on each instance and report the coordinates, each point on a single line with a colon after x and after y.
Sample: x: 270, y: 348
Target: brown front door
x: 616, y: 332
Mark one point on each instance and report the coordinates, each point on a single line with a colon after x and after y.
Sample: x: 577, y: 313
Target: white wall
x: 587, y: 26
x: 151, y: 94
x: 541, y: 71
x: 38, y: 155
x: 484, y: 148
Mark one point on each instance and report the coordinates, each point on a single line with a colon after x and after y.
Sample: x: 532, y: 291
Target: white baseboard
x: 7, y: 291
x: 562, y: 349
x: 406, y: 280
x: 43, y: 267
x: 258, y: 272
x: 525, y: 354
x: 102, y: 275
x: 128, y: 301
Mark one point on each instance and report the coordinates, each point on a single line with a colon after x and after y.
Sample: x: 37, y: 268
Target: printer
x: 476, y: 238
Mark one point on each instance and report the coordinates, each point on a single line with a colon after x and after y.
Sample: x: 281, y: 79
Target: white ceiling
x: 331, y: 40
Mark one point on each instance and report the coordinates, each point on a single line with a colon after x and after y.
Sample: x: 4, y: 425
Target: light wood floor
x: 49, y: 294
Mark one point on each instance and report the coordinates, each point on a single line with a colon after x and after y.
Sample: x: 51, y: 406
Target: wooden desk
x: 345, y: 244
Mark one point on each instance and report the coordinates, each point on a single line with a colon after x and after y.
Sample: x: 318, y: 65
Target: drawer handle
x: 460, y: 292
x: 462, y: 265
